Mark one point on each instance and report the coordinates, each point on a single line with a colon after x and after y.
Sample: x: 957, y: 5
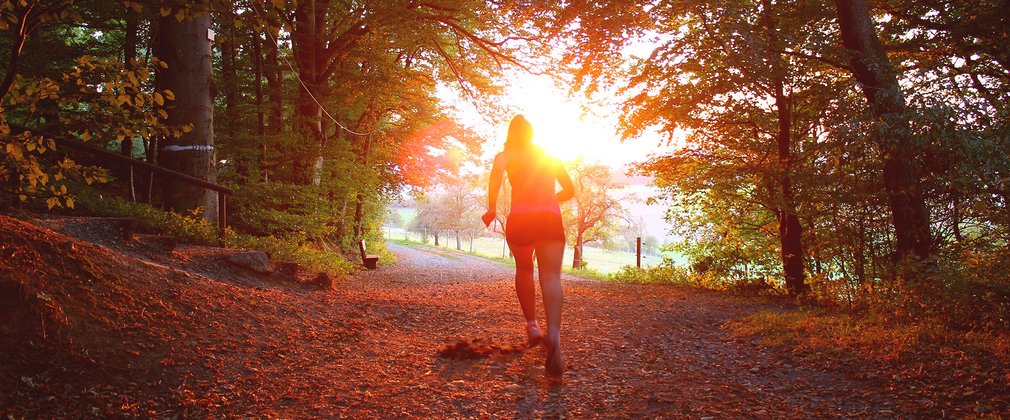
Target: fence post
x: 222, y: 214
x: 638, y: 251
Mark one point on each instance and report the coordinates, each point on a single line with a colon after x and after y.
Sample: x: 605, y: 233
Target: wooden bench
x: 370, y: 261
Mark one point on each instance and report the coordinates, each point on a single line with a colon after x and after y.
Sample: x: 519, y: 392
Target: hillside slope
x: 117, y: 327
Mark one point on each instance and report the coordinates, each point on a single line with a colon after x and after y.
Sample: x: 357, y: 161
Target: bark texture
x: 185, y: 47
x: 790, y: 229
x: 879, y: 82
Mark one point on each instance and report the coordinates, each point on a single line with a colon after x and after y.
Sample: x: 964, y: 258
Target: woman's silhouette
x: 534, y: 227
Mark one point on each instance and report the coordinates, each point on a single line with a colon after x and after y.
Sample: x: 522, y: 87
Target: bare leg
x: 549, y: 255
x: 525, y: 289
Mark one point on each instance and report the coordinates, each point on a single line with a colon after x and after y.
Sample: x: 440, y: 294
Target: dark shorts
x: 527, y: 228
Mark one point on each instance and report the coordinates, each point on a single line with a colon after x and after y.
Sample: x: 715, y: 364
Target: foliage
x: 54, y: 89
x: 382, y: 130
x: 593, y: 212
x: 343, y: 134
x: 709, y: 79
x: 192, y: 229
x: 296, y: 249
x: 189, y: 228
x: 394, y: 219
x: 665, y: 273
x: 97, y: 99
x: 276, y: 209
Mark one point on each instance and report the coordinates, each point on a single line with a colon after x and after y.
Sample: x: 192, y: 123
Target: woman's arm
x: 567, y: 189
x: 493, y: 187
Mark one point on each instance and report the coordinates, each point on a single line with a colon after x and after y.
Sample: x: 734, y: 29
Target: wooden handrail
x: 135, y: 162
x: 222, y: 200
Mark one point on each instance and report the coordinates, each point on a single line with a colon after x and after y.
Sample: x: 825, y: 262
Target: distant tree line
x: 594, y: 215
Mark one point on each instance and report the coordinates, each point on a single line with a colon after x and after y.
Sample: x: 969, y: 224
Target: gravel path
x: 631, y: 350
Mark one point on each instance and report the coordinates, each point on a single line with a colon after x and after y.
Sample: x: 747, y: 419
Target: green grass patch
x: 600, y: 264
x: 588, y: 273
x: 600, y: 260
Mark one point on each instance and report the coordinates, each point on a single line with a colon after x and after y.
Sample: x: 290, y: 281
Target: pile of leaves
x: 479, y: 348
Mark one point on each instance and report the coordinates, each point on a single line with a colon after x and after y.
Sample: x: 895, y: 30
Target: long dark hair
x: 520, y: 134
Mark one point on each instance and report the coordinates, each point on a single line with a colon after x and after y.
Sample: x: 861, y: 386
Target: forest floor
x: 131, y: 330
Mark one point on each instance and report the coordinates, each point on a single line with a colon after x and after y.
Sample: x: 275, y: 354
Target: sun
x: 561, y: 125
x: 558, y: 126
x: 556, y: 135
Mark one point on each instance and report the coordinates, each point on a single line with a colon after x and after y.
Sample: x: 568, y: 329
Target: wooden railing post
x: 638, y: 251
x: 222, y: 213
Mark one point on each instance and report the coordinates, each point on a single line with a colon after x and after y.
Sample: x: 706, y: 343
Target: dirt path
x: 153, y: 337
x: 630, y: 350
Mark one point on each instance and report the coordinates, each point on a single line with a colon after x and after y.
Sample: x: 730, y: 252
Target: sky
x: 561, y: 125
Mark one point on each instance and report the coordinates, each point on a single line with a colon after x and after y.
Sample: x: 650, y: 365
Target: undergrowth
x: 671, y: 274
x: 823, y: 334
x: 660, y: 274
x: 192, y: 229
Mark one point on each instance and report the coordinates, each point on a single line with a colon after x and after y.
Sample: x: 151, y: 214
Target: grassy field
x: 599, y: 260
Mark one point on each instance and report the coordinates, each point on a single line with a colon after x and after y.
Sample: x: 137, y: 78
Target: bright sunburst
x: 559, y: 124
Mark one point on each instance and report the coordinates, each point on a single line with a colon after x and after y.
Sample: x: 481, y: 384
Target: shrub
x: 665, y: 273
x: 189, y: 228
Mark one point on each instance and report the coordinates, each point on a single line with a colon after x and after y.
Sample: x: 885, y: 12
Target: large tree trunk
x: 790, y: 229
x: 275, y: 91
x: 876, y: 75
x: 359, y: 210
x: 309, y: 50
x: 185, y: 47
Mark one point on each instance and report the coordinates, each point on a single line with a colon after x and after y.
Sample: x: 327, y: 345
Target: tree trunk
x: 790, y: 229
x: 229, y: 80
x: 577, y: 252
x: 308, y: 45
x: 261, y: 128
x: 359, y: 212
x: 129, y: 59
x: 459, y: 246
x: 275, y: 86
x: 859, y: 254
x: 876, y: 75
x: 955, y: 216
x: 185, y: 47
x: 436, y: 237
x: 229, y: 86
